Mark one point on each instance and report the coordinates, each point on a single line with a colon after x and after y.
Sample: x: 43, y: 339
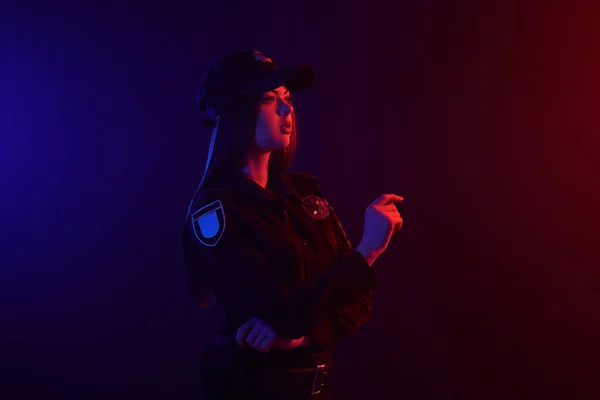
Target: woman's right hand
x: 382, y: 220
x: 261, y: 337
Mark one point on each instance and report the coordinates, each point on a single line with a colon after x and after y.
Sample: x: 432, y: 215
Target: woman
x: 267, y: 243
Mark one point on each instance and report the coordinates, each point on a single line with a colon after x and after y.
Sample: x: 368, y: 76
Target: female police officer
x: 267, y: 243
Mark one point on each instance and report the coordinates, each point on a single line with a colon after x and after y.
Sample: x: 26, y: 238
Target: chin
x: 277, y: 143
x: 285, y: 142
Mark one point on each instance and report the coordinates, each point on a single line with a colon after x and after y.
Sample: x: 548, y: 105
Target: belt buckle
x: 320, y: 378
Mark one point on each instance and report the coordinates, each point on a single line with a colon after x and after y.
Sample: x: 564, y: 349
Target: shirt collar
x: 277, y: 188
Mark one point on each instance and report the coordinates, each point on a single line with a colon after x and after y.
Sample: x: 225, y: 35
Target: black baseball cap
x: 247, y: 72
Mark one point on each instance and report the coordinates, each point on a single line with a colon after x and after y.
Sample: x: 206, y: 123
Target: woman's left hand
x: 260, y: 336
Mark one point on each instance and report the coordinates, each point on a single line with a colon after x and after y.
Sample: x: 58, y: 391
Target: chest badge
x: 316, y: 207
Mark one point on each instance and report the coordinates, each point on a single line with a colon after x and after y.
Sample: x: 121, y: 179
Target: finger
x: 398, y: 225
x: 391, y: 213
x: 394, y: 218
x: 267, y: 343
x: 381, y: 209
x: 243, y: 331
x: 262, y: 334
x: 259, y: 339
x: 386, y: 199
x: 253, y: 334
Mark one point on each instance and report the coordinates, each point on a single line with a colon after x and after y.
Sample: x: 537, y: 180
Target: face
x: 274, y: 125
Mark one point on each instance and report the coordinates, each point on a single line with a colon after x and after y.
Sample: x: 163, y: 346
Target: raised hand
x: 382, y: 220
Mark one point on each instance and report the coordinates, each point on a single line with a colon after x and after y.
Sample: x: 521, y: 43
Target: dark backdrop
x: 482, y: 114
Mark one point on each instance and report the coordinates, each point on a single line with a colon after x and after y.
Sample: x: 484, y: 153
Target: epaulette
x: 302, y: 176
x: 303, y: 183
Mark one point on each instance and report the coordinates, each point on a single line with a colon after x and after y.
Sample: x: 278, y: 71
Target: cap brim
x: 294, y: 79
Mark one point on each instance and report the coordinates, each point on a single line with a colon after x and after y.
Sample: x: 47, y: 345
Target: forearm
x: 352, y: 317
x: 294, y: 311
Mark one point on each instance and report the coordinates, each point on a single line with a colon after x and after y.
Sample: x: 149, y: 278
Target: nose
x: 284, y: 108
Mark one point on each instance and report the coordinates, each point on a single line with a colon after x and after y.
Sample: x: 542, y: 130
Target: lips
x: 286, y: 128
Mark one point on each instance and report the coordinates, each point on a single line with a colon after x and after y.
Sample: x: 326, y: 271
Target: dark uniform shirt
x: 276, y: 254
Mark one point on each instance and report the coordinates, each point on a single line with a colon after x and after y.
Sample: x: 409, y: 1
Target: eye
x: 268, y: 99
x: 288, y: 99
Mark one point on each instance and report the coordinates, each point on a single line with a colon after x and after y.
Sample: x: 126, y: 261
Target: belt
x: 295, y: 380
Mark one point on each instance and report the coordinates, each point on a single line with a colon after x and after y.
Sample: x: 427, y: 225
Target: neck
x: 258, y: 168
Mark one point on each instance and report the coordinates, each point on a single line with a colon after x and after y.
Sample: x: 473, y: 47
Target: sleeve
x: 353, y: 315
x: 242, y: 278
x: 195, y: 284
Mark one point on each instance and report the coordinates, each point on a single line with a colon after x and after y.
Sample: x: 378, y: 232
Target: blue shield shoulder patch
x: 209, y: 223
